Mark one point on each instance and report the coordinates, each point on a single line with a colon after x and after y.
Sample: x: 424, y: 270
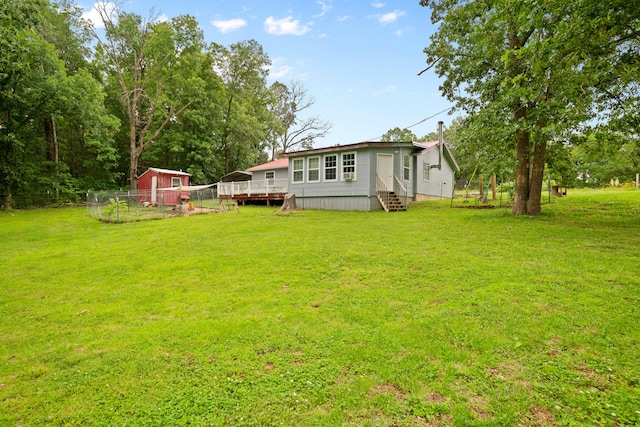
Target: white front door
x: 154, y: 186
x: 385, y: 169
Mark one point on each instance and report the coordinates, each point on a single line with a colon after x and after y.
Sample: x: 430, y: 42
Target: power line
x: 421, y: 121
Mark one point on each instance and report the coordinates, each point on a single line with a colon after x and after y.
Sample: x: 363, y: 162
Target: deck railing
x: 253, y: 187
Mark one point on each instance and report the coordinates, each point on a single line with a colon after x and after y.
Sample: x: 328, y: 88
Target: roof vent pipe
x: 440, y: 144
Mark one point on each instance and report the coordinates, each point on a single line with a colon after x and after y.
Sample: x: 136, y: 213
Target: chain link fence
x: 140, y: 205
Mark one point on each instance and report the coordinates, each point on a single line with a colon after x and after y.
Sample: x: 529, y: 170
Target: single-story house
x: 371, y: 175
x: 152, y: 182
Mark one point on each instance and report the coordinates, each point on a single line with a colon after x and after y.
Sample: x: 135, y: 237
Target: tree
x: 241, y: 132
x: 602, y: 155
x: 294, y: 132
x: 138, y: 55
x: 399, y: 135
x: 525, y: 72
x: 42, y: 65
x: 189, y: 142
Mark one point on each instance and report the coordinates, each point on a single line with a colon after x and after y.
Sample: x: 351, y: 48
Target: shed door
x: 385, y: 169
x: 154, y: 186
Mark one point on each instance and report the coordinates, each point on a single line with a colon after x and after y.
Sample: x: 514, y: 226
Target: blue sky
x: 359, y: 59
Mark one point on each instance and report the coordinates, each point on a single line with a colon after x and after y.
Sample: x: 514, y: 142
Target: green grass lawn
x: 430, y: 317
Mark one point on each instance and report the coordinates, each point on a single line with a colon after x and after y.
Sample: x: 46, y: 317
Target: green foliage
x: 516, y: 321
x: 399, y: 135
x: 46, y: 79
x: 114, y: 206
x: 529, y: 72
x: 604, y: 155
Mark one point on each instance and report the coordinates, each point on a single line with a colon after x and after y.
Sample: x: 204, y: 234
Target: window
x: 349, y: 166
x: 175, y: 181
x: 331, y: 168
x: 313, y: 169
x: 270, y: 177
x: 426, y: 172
x: 298, y: 170
x: 406, y: 167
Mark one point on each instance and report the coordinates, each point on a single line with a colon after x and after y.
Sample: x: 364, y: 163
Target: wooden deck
x: 268, y: 191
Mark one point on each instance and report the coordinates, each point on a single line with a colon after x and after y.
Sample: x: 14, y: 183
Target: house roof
x: 167, y: 172
x: 236, y: 176
x: 276, y: 164
x: 348, y: 147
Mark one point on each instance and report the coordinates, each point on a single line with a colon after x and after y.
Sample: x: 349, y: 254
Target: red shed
x: 153, y: 180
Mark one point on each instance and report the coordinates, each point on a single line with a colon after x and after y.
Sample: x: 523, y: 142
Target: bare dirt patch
x: 393, y: 389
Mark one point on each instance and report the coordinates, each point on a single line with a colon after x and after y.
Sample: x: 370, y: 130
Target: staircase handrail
x: 402, y: 189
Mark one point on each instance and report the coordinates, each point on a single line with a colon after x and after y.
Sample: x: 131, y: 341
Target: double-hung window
x: 298, y: 170
x: 331, y: 167
x: 426, y: 172
x: 270, y: 178
x: 313, y: 169
x: 348, y: 166
x: 175, y: 181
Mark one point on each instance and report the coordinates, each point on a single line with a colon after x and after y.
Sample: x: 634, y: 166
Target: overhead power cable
x: 421, y: 121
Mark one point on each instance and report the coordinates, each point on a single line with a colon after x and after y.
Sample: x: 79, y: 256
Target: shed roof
x: 276, y: 164
x: 167, y: 172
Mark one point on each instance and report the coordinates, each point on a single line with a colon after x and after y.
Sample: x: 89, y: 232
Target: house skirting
x: 339, y: 203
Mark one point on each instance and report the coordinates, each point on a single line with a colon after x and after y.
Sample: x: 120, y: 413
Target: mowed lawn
x: 430, y: 317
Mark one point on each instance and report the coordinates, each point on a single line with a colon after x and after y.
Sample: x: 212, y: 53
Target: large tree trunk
x: 537, y: 177
x: 7, y: 199
x: 523, y: 148
x: 52, y: 136
x: 133, y: 160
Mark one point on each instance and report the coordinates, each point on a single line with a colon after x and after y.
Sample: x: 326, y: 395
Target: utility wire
x: 421, y: 121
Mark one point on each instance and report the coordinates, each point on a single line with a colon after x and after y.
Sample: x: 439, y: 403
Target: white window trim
x: 319, y: 168
x: 342, y: 165
x: 266, y: 177
x: 404, y: 157
x: 426, y: 167
x: 294, y: 170
x: 324, y: 167
x: 175, y: 179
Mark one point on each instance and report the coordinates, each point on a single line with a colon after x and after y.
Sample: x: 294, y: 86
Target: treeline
x: 91, y: 108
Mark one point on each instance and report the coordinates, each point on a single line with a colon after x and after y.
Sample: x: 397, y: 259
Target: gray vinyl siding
x: 359, y: 187
x: 358, y: 194
x: 281, y: 173
x: 440, y: 182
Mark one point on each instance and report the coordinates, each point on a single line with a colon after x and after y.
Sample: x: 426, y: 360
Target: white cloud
x: 162, y: 18
x: 325, y: 8
x: 285, y: 26
x: 391, y: 17
x: 229, y: 25
x: 93, y: 15
x: 378, y: 4
x: 342, y: 18
x: 279, y: 69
